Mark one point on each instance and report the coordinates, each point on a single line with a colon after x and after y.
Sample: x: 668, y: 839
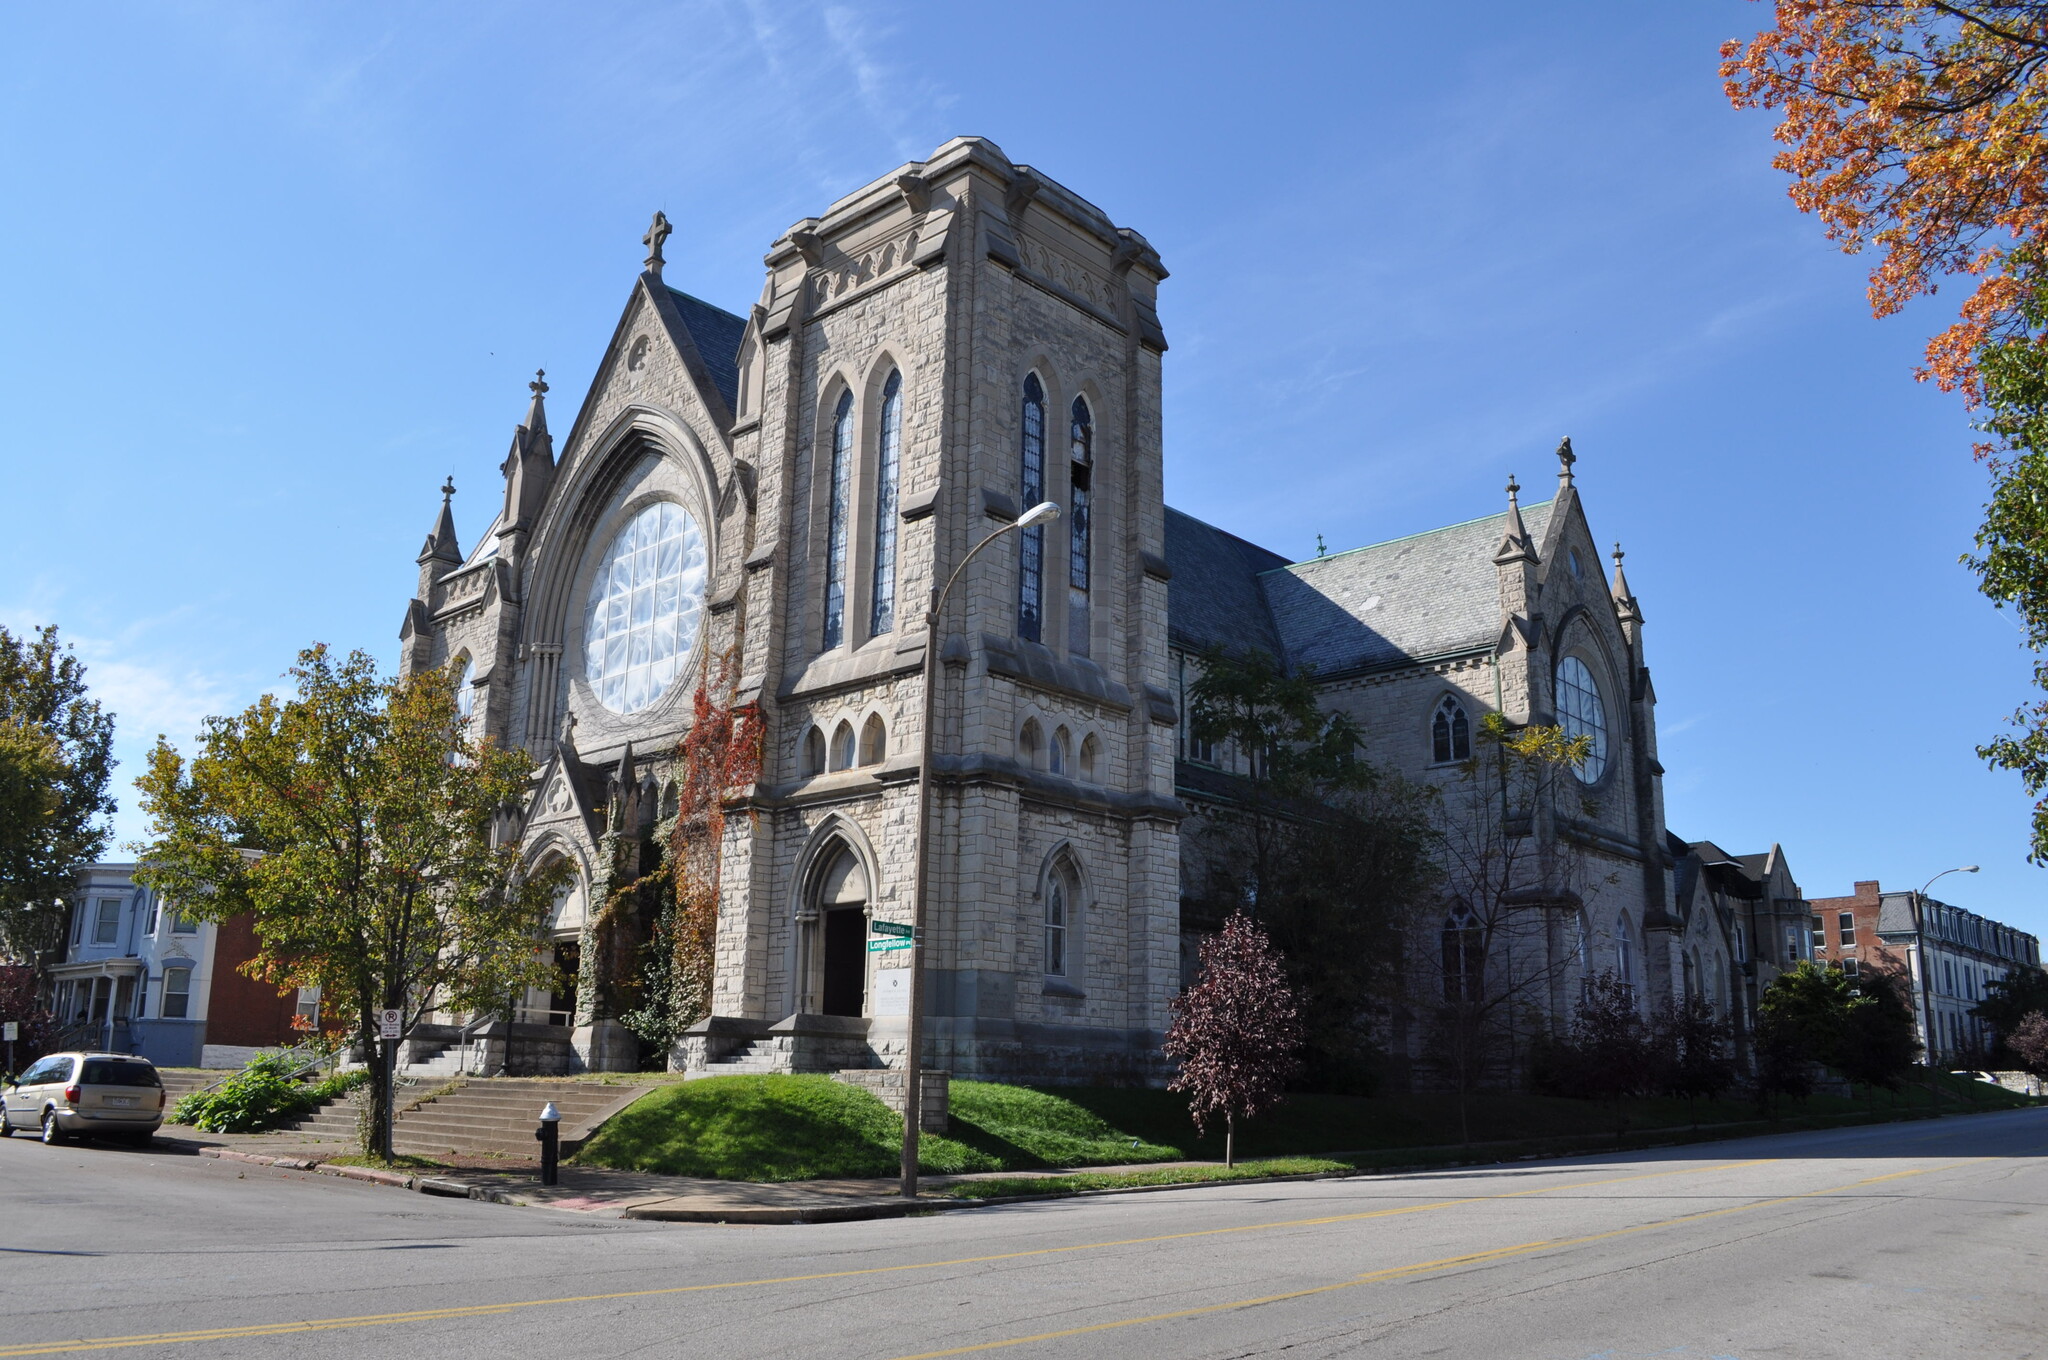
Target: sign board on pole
x: 388, y: 1024
x: 887, y: 945
x: 890, y: 928
x: 13, y: 1031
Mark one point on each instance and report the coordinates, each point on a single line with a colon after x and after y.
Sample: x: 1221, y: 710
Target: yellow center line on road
x: 1422, y: 1267
x: 262, y: 1329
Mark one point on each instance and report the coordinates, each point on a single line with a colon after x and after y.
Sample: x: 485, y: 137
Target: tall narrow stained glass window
x: 1056, y: 928
x: 888, y: 462
x: 835, y: 526
x: 1031, y: 552
x: 1581, y: 714
x: 1081, y: 440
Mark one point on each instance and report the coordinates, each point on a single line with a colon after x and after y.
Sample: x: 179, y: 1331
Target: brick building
x: 1947, y: 954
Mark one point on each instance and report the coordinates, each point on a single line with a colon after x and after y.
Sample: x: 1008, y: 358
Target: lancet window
x: 835, y: 529
x: 1081, y: 442
x: 1031, y: 552
x: 888, y: 462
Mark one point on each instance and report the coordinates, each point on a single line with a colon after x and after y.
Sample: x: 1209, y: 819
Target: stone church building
x: 765, y: 503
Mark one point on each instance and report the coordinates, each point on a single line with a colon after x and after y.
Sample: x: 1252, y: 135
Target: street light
x: 913, y: 1082
x: 1965, y: 869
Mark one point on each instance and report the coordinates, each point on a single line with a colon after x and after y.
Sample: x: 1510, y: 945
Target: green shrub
x: 261, y: 1096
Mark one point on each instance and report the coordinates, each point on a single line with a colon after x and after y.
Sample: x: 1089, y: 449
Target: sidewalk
x: 603, y: 1193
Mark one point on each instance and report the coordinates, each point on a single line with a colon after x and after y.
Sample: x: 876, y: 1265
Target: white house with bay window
x: 136, y: 976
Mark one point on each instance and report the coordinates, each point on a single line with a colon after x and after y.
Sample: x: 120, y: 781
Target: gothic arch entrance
x: 839, y: 924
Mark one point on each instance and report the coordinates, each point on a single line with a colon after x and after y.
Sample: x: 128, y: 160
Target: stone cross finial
x: 448, y: 488
x: 1513, y: 488
x: 657, y: 233
x: 539, y: 385
x: 1618, y: 555
x: 1565, y: 459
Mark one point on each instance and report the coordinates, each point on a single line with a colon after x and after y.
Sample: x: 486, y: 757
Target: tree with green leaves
x: 56, y: 757
x: 355, y: 821
x: 2009, y: 1000
x: 1862, y: 1027
x: 1331, y: 855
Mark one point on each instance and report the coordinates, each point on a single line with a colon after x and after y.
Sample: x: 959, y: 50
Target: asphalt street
x: 1911, y: 1240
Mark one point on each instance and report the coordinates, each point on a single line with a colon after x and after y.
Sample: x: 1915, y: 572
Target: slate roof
x: 716, y: 333
x: 1428, y: 595
x: 1214, y: 598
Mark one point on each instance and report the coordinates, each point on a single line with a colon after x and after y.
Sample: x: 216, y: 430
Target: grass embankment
x: 776, y: 1128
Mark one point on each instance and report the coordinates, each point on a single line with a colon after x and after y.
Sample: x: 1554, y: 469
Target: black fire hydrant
x: 550, y: 1135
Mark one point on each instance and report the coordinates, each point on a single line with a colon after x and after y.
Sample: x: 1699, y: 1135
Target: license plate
x: 121, y: 1102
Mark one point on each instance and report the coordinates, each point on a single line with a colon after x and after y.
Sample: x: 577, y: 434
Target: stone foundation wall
x: 886, y: 1085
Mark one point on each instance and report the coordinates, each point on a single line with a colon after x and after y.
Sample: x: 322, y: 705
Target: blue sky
x: 268, y: 273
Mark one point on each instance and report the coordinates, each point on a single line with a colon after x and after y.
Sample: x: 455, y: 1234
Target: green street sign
x: 887, y: 945
x: 890, y: 928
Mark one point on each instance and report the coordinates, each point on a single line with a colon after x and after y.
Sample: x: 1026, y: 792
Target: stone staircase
x: 335, y: 1119
x: 180, y: 1082
x: 499, y: 1115
x: 758, y: 1056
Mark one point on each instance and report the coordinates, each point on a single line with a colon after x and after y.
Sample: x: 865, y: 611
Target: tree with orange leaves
x: 1921, y: 127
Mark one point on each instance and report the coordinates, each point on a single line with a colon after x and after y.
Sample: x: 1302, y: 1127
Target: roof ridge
x: 1389, y: 542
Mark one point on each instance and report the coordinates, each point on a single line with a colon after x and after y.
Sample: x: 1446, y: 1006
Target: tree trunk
x: 375, y: 1144
x: 1229, y: 1140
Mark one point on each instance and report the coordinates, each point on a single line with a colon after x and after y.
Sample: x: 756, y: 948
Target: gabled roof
x: 1214, y: 599
x: 1428, y: 595
x: 716, y: 333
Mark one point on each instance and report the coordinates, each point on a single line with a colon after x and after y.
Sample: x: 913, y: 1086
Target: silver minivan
x: 108, y: 1095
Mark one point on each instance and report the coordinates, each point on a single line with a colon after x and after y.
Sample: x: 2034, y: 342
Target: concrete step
x: 500, y: 1114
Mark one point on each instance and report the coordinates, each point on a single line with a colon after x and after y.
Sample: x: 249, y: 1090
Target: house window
x: 177, y: 994
x: 835, y: 524
x: 1820, y: 935
x: 307, y: 1012
x: 1581, y: 714
x: 1056, y: 928
x: 183, y: 925
x: 1081, y: 439
x: 150, y: 929
x: 888, y: 460
x: 1846, y: 922
x: 1849, y: 968
x: 1450, y: 733
x: 1031, y: 552
x: 106, y: 926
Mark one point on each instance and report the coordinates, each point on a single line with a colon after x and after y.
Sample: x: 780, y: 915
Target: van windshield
x: 102, y: 1072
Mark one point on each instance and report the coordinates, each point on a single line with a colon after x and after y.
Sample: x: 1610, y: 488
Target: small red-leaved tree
x: 1235, y: 1033
x: 2029, y: 1042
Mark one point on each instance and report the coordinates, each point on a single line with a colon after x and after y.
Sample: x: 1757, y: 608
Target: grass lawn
x: 1123, y: 1180
x: 777, y: 1128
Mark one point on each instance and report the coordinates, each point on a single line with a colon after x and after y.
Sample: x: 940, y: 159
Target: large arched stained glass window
x: 835, y: 526
x: 1581, y: 714
x: 888, y: 462
x: 1031, y: 552
x: 1081, y: 442
x: 645, y: 607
